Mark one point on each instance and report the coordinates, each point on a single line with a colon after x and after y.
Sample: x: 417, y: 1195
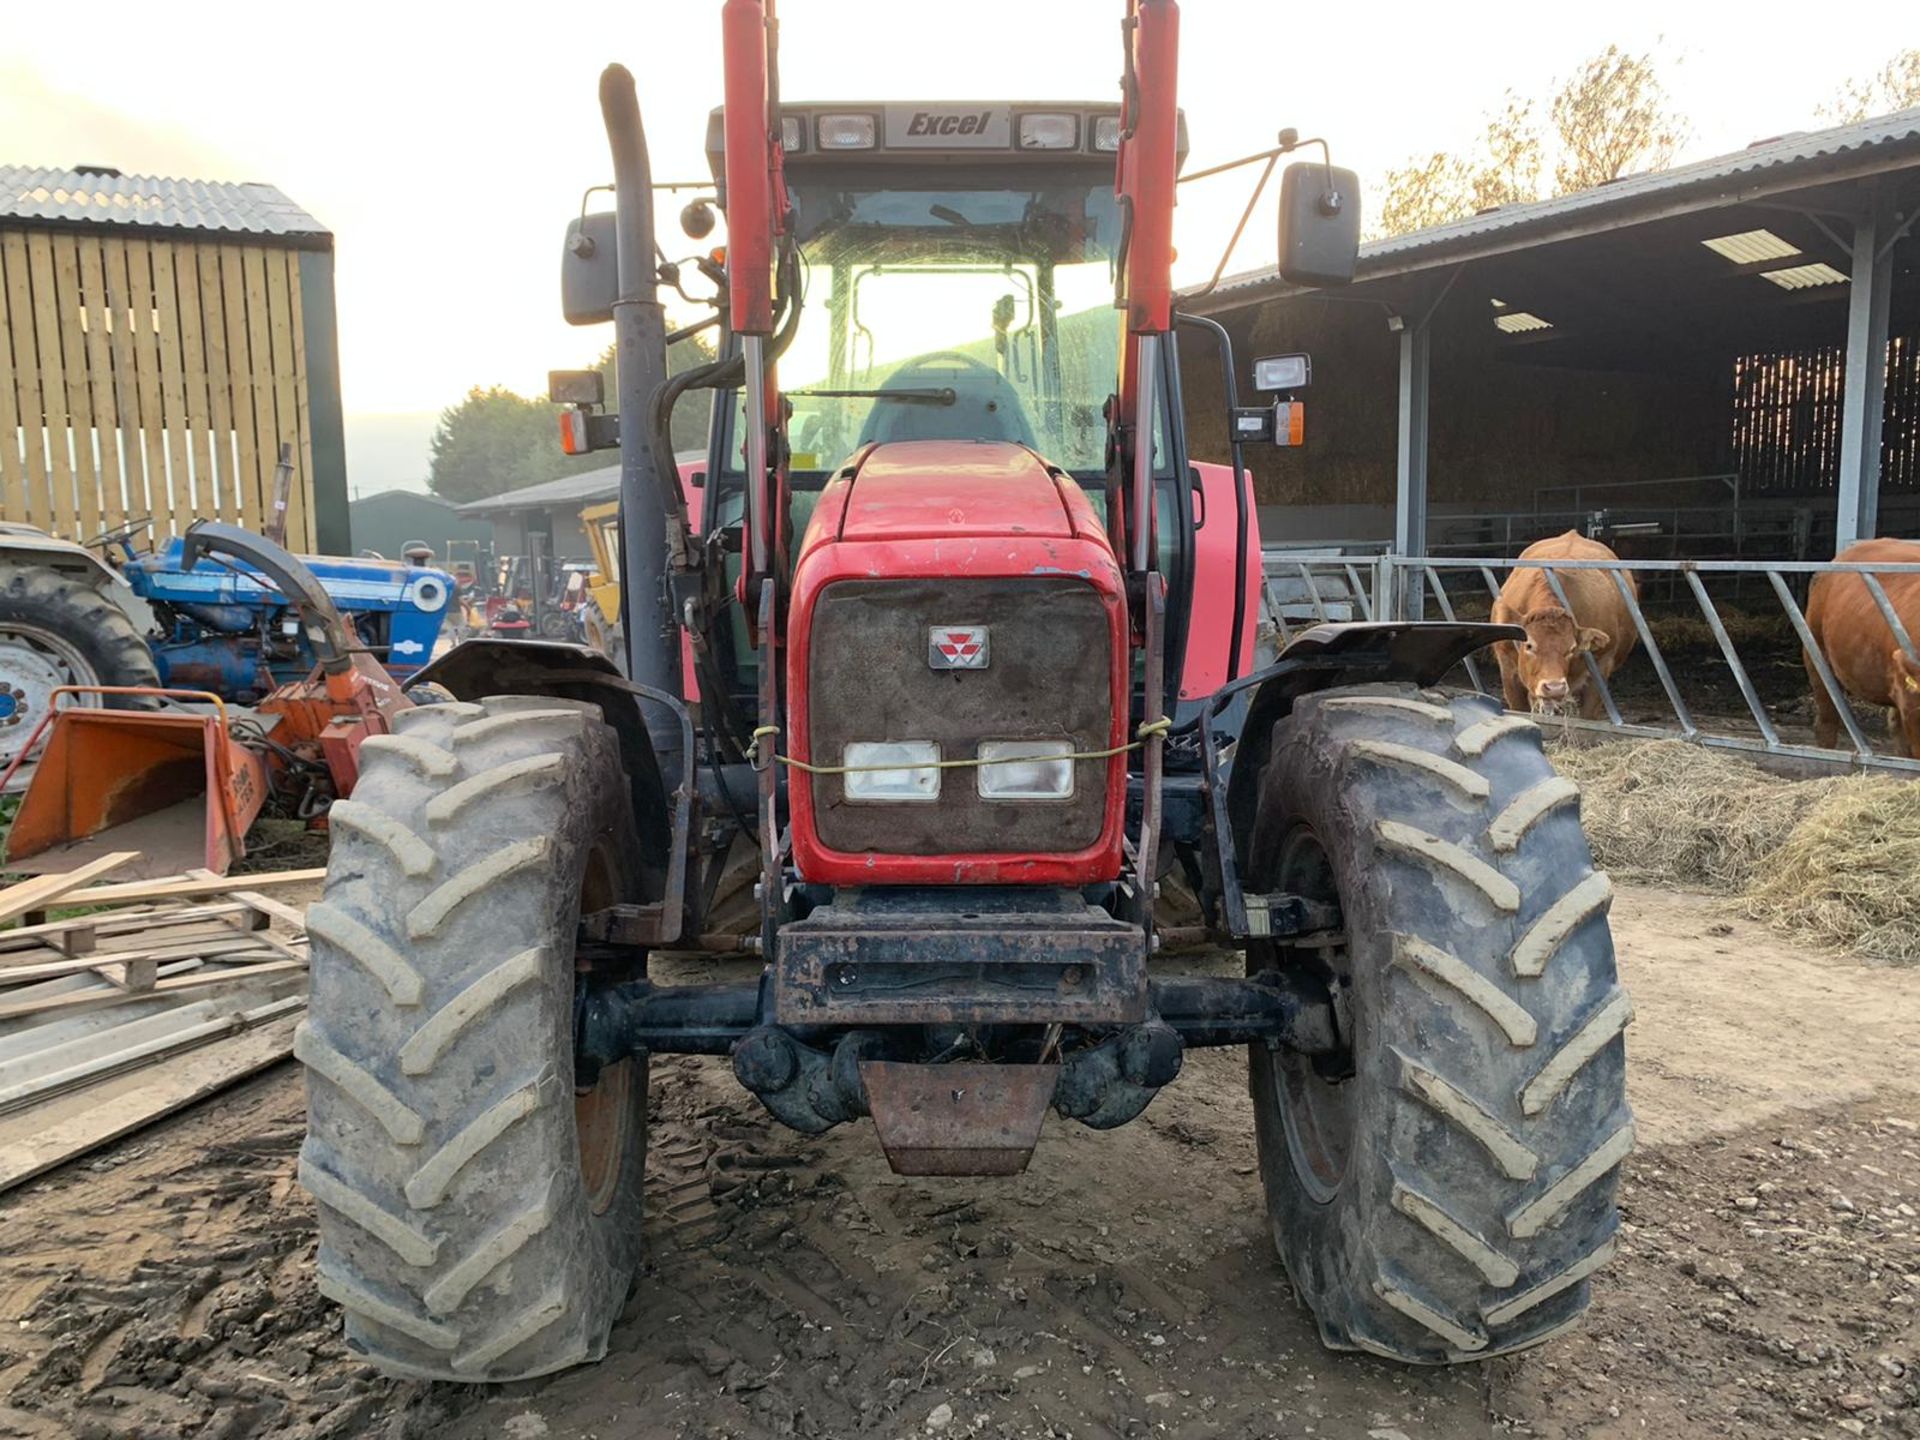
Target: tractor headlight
x: 1026, y: 770
x: 1049, y: 132
x: 907, y: 770
x: 1106, y: 132
x: 845, y: 132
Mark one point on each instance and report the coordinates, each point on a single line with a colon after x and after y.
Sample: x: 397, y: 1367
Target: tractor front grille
x: 1048, y: 677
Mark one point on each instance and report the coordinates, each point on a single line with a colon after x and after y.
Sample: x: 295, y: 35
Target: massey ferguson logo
x: 925, y: 122
x: 957, y: 647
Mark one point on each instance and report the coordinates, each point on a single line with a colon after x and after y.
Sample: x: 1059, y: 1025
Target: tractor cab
x: 959, y: 263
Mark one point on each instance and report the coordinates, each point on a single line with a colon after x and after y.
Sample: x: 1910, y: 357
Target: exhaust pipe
x: 640, y: 347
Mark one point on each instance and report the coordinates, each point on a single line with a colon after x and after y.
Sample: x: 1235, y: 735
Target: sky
x: 446, y: 146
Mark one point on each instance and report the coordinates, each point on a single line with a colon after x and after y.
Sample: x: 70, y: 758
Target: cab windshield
x: 965, y: 310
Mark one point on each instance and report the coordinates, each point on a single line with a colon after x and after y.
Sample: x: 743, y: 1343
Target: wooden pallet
x: 121, y: 1002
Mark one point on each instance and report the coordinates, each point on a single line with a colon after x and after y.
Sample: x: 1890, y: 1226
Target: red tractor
x: 962, y: 640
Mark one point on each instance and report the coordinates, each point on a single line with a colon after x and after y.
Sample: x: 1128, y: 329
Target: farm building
x: 544, y: 518
x: 387, y: 522
x: 1718, y: 359
x: 160, y: 340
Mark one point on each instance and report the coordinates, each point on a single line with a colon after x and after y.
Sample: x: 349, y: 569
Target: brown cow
x: 1858, y: 643
x: 1541, y: 673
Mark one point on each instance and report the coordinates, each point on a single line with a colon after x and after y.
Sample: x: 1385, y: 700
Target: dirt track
x: 1768, y: 1284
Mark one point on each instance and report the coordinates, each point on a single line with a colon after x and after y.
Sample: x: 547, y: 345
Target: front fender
x: 31, y: 546
x: 1327, y: 657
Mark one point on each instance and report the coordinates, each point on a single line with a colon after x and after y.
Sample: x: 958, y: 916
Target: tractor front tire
x: 479, y: 1219
x: 1442, y: 1189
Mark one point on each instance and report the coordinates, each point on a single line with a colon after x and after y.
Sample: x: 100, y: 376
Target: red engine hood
x: 934, y: 489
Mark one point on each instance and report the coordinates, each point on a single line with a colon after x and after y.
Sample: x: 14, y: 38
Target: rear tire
x: 1447, y: 1198
x: 57, y: 630
x: 478, y: 1220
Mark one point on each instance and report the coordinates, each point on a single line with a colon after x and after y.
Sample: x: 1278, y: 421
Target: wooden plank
x: 120, y: 921
x: 193, y: 359
x: 257, y: 918
x: 45, y: 1136
x: 173, y: 386
x: 13, y: 474
x: 260, y: 372
x: 233, y: 293
x: 126, y: 387
x: 53, y: 387
x: 105, y: 413
x: 193, y: 980
x: 148, y: 1044
x: 37, y: 893
x: 146, y: 367
x: 26, y: 379
x: 174, y: 889
x: 293, y: 915
x: 231, y: 949
x: 79, y: 394
x: 213, y: 335
x: 303, y: 454
x: 286, y: 409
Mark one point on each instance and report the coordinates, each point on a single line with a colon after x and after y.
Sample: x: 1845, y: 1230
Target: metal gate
x: 1307, y: 588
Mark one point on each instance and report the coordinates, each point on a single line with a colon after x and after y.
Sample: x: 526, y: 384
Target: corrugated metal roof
x: 1797, y: 160
x: 587, y: 487
x: 70, y: 196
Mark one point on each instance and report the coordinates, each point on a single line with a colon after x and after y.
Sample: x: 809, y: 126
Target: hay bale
x: 1671, y: 813
x: 1849, y: 874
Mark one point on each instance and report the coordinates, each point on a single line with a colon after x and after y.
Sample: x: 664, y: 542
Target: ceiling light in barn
x: 1751, y: 246
x: 1517, y: 321
x: 1805, y: 277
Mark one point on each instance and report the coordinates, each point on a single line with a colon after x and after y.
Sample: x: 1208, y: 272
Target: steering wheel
x: 120, y: 534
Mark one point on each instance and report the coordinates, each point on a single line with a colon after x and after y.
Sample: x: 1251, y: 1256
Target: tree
x: 1612, y: 118
x: 1503, y: 170
x: 1508, y: 168
x: 1422, y: 193
x: 1895, y: 87
x: 495, y: 440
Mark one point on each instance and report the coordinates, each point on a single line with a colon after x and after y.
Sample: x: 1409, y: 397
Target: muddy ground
x: 1767, y: 1286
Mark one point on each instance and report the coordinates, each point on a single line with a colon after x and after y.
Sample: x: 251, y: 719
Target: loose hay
x: 1679, y: 814
x: 1835, y: 859
x: 1849, y: 874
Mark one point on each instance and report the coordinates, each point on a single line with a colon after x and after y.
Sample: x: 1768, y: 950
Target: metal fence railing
x: 1687, y: 677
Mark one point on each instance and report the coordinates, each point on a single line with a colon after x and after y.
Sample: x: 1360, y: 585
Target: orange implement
x: 106, y: 768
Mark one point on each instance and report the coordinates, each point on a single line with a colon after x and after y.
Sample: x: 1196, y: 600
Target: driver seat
x: 986, y: 406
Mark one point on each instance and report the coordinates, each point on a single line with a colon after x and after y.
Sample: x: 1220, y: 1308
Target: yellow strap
x: 1148, y: 730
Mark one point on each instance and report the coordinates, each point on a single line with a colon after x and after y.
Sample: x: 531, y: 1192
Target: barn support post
x: 1863, y: 399
x: 1410, y: 470
x: 1410, y: 474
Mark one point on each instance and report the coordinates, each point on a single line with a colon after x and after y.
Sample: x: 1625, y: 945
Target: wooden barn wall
x: 149, y: 377
x: 1498, y: 431
x: 1786, y: 418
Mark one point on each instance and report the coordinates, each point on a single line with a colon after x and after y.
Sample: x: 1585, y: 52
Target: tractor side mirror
x: 1319, y: 224
x: 589, y: 270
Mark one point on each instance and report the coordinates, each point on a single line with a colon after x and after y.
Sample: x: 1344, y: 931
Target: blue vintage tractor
x: 221, y: 628
x: 70, y: 617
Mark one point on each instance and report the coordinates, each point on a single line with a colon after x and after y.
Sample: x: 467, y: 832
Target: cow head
x: 1906, y: 699
x: 1546, y: 657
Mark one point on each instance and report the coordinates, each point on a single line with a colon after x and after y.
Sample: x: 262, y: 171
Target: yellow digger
x: 601, y: 618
